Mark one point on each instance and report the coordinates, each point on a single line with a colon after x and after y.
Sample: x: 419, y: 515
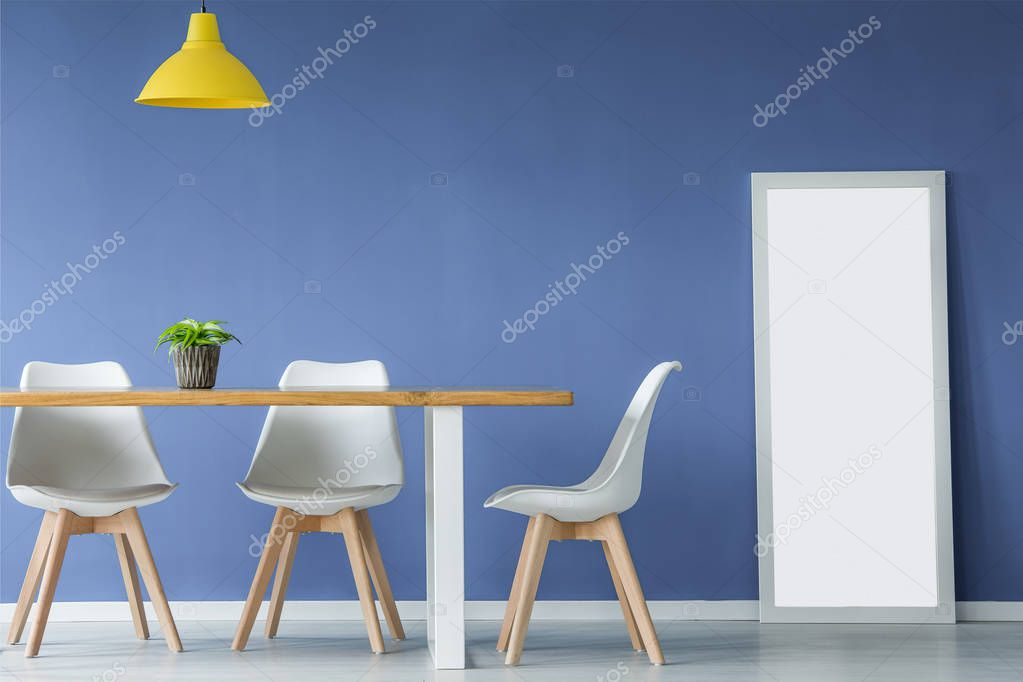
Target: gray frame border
x: 934, y: 181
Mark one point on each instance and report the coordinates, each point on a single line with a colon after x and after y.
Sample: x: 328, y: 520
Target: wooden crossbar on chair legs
x: 48, y: 557
x: 363, y: 554
x: 608, y: 531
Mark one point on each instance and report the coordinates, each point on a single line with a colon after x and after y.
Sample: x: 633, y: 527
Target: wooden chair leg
x: 284, y: 563
x: 147, y: 566
x: 516, y: 589
x: 379, y: 575
x: 630, y: 621
x: 530, y: 580
x: 33, y: 575
x: 357, y: 558
x: 126, y: 558
x: 54, y: 560
x: 267, y: 561
x: 612, y: 528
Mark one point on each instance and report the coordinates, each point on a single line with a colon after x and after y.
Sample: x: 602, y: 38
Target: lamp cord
x: 204, y: 6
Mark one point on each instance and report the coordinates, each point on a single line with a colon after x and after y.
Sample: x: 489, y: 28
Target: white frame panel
x: 944, y: 609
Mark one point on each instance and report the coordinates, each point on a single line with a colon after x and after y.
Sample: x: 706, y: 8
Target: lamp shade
x: 203, y: 74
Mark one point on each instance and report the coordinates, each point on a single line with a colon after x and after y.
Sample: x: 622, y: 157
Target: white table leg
x: 445, y: 532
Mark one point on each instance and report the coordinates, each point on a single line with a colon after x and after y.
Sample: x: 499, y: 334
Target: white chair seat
x: 611, y: 489
x: 95, y: 461
x: 577, y: 503
x: 96, y: 502
x: 319, y: 501
x: 568, y: 503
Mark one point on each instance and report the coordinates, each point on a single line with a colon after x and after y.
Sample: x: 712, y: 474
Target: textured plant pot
x: 196, y: 366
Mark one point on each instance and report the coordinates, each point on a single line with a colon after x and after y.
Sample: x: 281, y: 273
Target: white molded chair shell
x: 614, y: 487
x: 92, y: 461
x: 318, y: 460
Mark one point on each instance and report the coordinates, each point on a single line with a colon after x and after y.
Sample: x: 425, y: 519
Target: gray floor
x: 555, y: 652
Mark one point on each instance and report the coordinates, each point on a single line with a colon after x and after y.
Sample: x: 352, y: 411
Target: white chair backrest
x: 621, y: 470
x: 81, y: 448
x: 329, y: 447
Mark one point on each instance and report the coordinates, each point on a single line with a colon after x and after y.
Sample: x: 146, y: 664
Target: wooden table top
x: 433, y: 396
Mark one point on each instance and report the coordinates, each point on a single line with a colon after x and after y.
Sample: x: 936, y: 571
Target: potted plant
x: 195, y: 350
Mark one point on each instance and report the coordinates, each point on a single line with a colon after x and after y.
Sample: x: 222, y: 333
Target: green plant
x: 189, y: 332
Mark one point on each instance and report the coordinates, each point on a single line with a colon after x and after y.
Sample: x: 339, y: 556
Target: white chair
x: 89, y: 469
x: 322, y: 468
x: 587, y: 511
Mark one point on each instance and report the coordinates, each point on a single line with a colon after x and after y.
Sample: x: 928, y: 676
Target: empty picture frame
x: 852, y: 403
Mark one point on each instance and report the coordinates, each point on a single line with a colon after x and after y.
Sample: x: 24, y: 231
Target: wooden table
x: 445, y: 531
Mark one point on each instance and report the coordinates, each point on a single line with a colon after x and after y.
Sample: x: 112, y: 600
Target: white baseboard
x: 748, y: 610
x: 989, y: 611
x: 408, y: 610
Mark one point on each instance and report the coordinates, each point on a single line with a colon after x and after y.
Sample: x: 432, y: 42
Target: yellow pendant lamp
x: 203, y: 74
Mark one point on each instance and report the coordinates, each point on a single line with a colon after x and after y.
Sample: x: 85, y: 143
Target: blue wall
x: 223, y: 219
